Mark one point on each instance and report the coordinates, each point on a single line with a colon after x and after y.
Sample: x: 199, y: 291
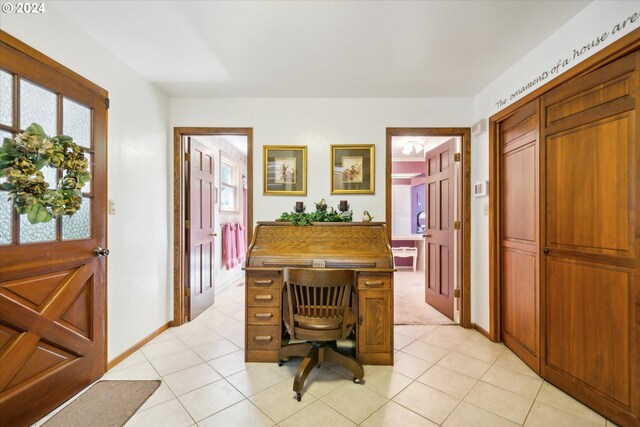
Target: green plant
x: 303, y: 218
x: 21, y: 162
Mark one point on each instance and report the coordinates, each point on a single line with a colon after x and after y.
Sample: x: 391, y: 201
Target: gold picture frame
x: 285, y: 170
x: 353, y: 169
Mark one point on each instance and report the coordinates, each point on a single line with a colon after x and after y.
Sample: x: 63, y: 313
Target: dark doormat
x: 105, y: 404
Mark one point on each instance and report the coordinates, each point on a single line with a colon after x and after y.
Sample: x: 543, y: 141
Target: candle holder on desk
x: 343, y: 206
x: 300, y: 207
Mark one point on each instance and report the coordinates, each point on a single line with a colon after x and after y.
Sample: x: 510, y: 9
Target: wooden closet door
x: 520, y: 234
x: 591, y: 287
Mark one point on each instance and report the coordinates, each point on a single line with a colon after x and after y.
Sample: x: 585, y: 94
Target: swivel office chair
x: 316, y: 309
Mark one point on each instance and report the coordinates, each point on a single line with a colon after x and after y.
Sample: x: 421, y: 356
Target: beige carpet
x: 409, y: 305
x: 105, y: 404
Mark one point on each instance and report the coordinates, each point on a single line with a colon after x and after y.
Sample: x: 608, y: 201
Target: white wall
x: 318, y: 123
x: 139, y: 267
x: 591, y: 23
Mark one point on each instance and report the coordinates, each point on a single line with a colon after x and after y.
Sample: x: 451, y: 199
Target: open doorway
x: 428, y: 215
x: 212, y: 214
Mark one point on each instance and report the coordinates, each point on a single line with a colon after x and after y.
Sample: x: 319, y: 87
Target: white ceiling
x: 428, y: 142
x: 320, y: 49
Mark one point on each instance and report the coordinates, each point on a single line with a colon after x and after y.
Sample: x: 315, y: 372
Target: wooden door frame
x: 178, y: 205
x: 464, y: 251
x: 616, y: 50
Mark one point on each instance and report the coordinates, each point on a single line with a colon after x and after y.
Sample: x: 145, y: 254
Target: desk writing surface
x: 363, y: 247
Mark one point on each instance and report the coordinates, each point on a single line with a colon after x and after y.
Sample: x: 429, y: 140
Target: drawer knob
x: 263, y: 282
x: 264, y: 297
x: 263, y: 315
x: 373, y: 283
x: 263, y: 338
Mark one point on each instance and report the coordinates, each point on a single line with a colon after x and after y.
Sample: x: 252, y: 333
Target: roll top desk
x: 363, y: 247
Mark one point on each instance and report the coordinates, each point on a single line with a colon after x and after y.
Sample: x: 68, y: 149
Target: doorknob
x: 545, y: 250
x: 213, y: 234
x: 101, y: 251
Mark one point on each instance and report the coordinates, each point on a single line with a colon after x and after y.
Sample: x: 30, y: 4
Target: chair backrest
x: 318, y: 300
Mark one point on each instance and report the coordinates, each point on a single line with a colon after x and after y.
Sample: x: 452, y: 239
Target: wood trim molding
x: 482, y: 330
x: 616, y: 50
x: 178, y: 205
x: 51, y: 63
x: 465, y: 134
x: 139, y: 345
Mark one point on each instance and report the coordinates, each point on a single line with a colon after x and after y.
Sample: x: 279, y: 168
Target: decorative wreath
x: 21, y: 161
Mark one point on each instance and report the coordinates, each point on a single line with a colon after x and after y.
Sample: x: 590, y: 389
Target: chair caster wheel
x: 281, y: 362
x: 356, y: 380
x: 298, y: 397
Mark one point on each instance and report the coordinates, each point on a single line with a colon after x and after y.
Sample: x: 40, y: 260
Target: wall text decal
x: 574, y: 56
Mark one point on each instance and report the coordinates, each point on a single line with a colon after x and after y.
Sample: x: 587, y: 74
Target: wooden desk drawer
x: 263, y: 296
x: 263, y: 315
x: 263, y: 337
x: 372, y: 281
x: 263, y: 280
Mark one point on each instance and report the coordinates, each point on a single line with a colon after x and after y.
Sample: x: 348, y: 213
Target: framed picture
x: 352, y: 169
x: 285, y: 169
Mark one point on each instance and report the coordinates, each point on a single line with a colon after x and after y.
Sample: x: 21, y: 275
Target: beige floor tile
x: 448, y: 381
x: 255, y: 378
x: 543, y: 416
x: 354, y: 401
x: 556, y: 398
x: 392, y: 414
x: 318, y: 414
x: 237, y: 340
x: 513, y: 381
x: 425, y: 351
x: 385, y: 381
x: 189, y: 379
x: 164, y: 336
x: 237, y: 328
x: 136, y: 358
x: 238, y: 315
x: 466, y: 415
x: 409, y: 365
x: 215, y: 349
x: 414, y: 331
x: 400, y: 341
x: 142, y: 371
x: 175, y: 362
x: 242, y: 414
x: 466, y: 365
x: 278, y: 401
x: 427, y: 401
x: 511, y: 361
x: 170, y: 413
x: 611, y: 424
x: 190, y: 328
x: 323, y: 380
x: 157, y: 350
x: 500, y: 402
x: 229, y: 364
x: 206, y: 401
x: 200, y: 338
x: 448, y: 337
x: 486, y: 350
x: 161, y: 395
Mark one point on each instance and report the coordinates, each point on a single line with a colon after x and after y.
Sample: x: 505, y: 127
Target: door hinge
x: 187, y: 292
x: 456, y: 225
x: 187, y: 157
x: 187, y: 223
x: 456, y: 157
x: 456, y: 293
x: 106, y: 103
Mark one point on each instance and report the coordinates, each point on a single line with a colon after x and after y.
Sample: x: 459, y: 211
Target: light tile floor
x: 443, y: 375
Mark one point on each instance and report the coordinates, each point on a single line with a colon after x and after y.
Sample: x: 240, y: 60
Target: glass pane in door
x: 6, y: 217
x: 6, y: 98
x: 78, y: 226
x: 38, y: 105
x: 76, y: 122
x: 34, y: 233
